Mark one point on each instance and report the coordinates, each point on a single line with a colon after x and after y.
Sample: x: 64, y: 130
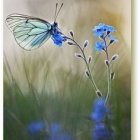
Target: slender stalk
x: 109, y: 72
x: 109, y: 80
x: 87, y: 65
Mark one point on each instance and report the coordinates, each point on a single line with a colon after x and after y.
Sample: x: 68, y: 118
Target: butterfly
x: 31, y: 32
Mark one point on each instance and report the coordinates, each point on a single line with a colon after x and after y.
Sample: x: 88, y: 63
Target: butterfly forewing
x: 29, y: 32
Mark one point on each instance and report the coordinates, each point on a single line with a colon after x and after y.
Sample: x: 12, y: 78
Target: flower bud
x: 115, y: 57
x: 71, y: 33
x: 99, y: 93
x: 89, y: 59
x: 70, y: 43
x: 106, y: 62
x: 78, y: 55
x: 86, y: 43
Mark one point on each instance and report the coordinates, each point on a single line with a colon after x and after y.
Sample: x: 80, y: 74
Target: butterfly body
x: 54, y: 27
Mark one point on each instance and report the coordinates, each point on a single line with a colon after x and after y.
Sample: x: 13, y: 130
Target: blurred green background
x: 49, y: 83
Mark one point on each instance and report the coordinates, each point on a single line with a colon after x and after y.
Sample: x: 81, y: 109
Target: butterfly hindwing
x: 29, y: 32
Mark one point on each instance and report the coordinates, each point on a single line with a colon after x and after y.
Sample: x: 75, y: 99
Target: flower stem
x: 87, y: 65
x: 109, y: 72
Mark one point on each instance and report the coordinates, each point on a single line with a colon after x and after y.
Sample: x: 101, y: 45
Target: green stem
x: 109, y: 72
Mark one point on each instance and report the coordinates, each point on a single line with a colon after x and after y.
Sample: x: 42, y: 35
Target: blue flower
x: 58, y: 38
x: 100, y: 111
x: 102, y: 30
x: 36, y: 127
x: 99, y: 30
x: 100, y: 45
x: 56, y: 133
x: 101, y: 132
x: 109, y: 28
x: 65, y: 137
x: 55, y: 128
x: 99, y: 115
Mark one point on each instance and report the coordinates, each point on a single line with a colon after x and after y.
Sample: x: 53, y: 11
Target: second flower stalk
x: 87, y: 60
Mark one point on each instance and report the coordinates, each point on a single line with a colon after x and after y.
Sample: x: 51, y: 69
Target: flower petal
x: 58, y: 38
x: 100, y: 45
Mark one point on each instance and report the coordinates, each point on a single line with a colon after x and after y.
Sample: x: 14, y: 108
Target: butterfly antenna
x: 55, y: 11
x: 58, y: 11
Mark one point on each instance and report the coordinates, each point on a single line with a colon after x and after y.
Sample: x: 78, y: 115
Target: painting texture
x: 67, y: 70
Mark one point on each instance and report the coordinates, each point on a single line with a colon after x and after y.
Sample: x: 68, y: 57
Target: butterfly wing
x: 29, y: 32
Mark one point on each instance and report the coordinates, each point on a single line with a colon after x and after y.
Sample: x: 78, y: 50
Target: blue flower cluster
x: 104, y: 32
x: 36, y: 127
x: 58, y: 38
x: 100, y: 111
x: 102, y: 132
x: 99, y: 115
x: 54, y: 131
